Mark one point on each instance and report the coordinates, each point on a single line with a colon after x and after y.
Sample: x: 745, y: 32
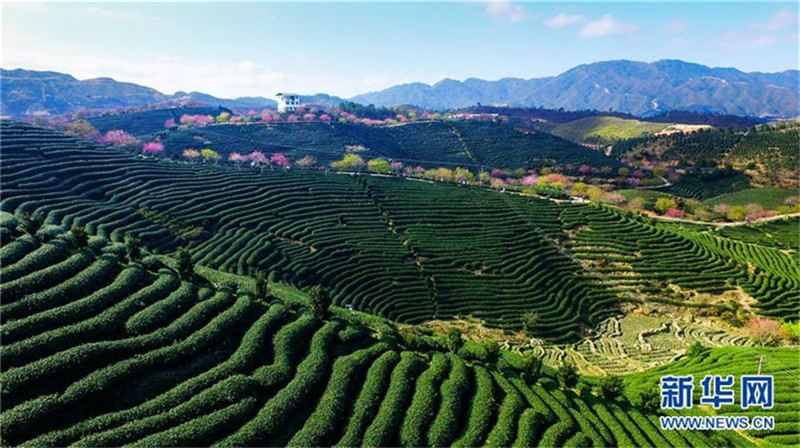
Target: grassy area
x: 768, y: 198
x: 648, y: 195
x: 606, y: 128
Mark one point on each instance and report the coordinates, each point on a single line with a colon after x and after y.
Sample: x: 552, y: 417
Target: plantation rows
x: 145, y: 123
x: 634, y: 343
x: 774, y: 279
x: 780, y: 363
x: 774, y: 233
x: 146, y: 359
x: 467, y: 144
x: 776, y: 149
x: 691, y: 186
x: 773, y: 147
x: 640, y: 257
x: 410, y: 251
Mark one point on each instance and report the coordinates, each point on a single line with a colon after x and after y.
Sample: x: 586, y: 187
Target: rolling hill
x: 468, y: 144
x: 150, y: 358
x: 424, y: 251
x: 112, y: 336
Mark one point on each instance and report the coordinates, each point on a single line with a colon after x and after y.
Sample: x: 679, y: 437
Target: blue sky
x: 257, y: 49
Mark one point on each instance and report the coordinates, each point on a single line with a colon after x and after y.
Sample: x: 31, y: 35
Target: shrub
x: 78, y: 237
x: 531, y: 367
x: 453, y: 340
x: 379, y: 165
x: 492, y: 350
x: 765, y: 331
x: 319, y: 301
x: 185, y: 263
x: 649, y: 399
x: 261, y: 290
x: 664, y: 204
x: 696, y: 350
x: 30, y: 223
x: 133, y: 248
x: 610, y: 387
x: 567, y: 375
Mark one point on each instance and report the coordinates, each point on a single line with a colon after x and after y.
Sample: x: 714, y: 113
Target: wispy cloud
x: 782, y: 20
x: 169, y: 73
x: 607, y: 26
x: 504, y: 11
x: 564, y: 20
x: 26, y: 6
x: 675, y: 26
x: 117, y: 14
x: 780, y: 28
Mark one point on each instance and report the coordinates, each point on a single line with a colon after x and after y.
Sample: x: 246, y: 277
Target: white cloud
x: 782, y: 20
x: 25, y: 6
x: 115, y: 14
x: 564, y: 20
x: 169, y: 73
x: 504, y: 11
x: 780, y: 28
x: 675, y: 26
x: 607, y: 26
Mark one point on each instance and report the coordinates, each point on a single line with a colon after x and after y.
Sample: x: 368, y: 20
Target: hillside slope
x: 147, y: 358
x: 437, y: 143
x: 604, y: 129
x: 423, y: 251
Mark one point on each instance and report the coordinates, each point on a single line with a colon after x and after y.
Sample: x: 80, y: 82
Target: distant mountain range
x: 638, y: 88
x: 28, y: 93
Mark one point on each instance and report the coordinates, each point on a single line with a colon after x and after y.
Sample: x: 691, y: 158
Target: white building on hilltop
x: 288, y: 102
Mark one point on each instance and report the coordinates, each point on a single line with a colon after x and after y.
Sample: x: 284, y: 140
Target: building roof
x: 287, y: 94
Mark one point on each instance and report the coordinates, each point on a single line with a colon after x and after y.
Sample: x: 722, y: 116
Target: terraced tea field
x: 634, y: 342
x: 101, y: 351
x: 408, y: 251
x: 467, y: 144
x: 782, y: 364
x: 103, y: 348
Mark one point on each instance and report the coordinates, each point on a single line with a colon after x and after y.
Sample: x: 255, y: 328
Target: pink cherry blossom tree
x: 235, y: 157
x: 258, y: 158
x: 119, y: 137
x: 169, y: 123
x: 191, y: 154
x: 292, y: 118
x: 674, y: 213
x: 153, y: 148
x: 530, y: 180
x: 325, y: 118
x: 280, y: 160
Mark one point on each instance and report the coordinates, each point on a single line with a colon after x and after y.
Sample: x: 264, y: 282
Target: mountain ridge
x: 32, y: 92
x: 633, y: 87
